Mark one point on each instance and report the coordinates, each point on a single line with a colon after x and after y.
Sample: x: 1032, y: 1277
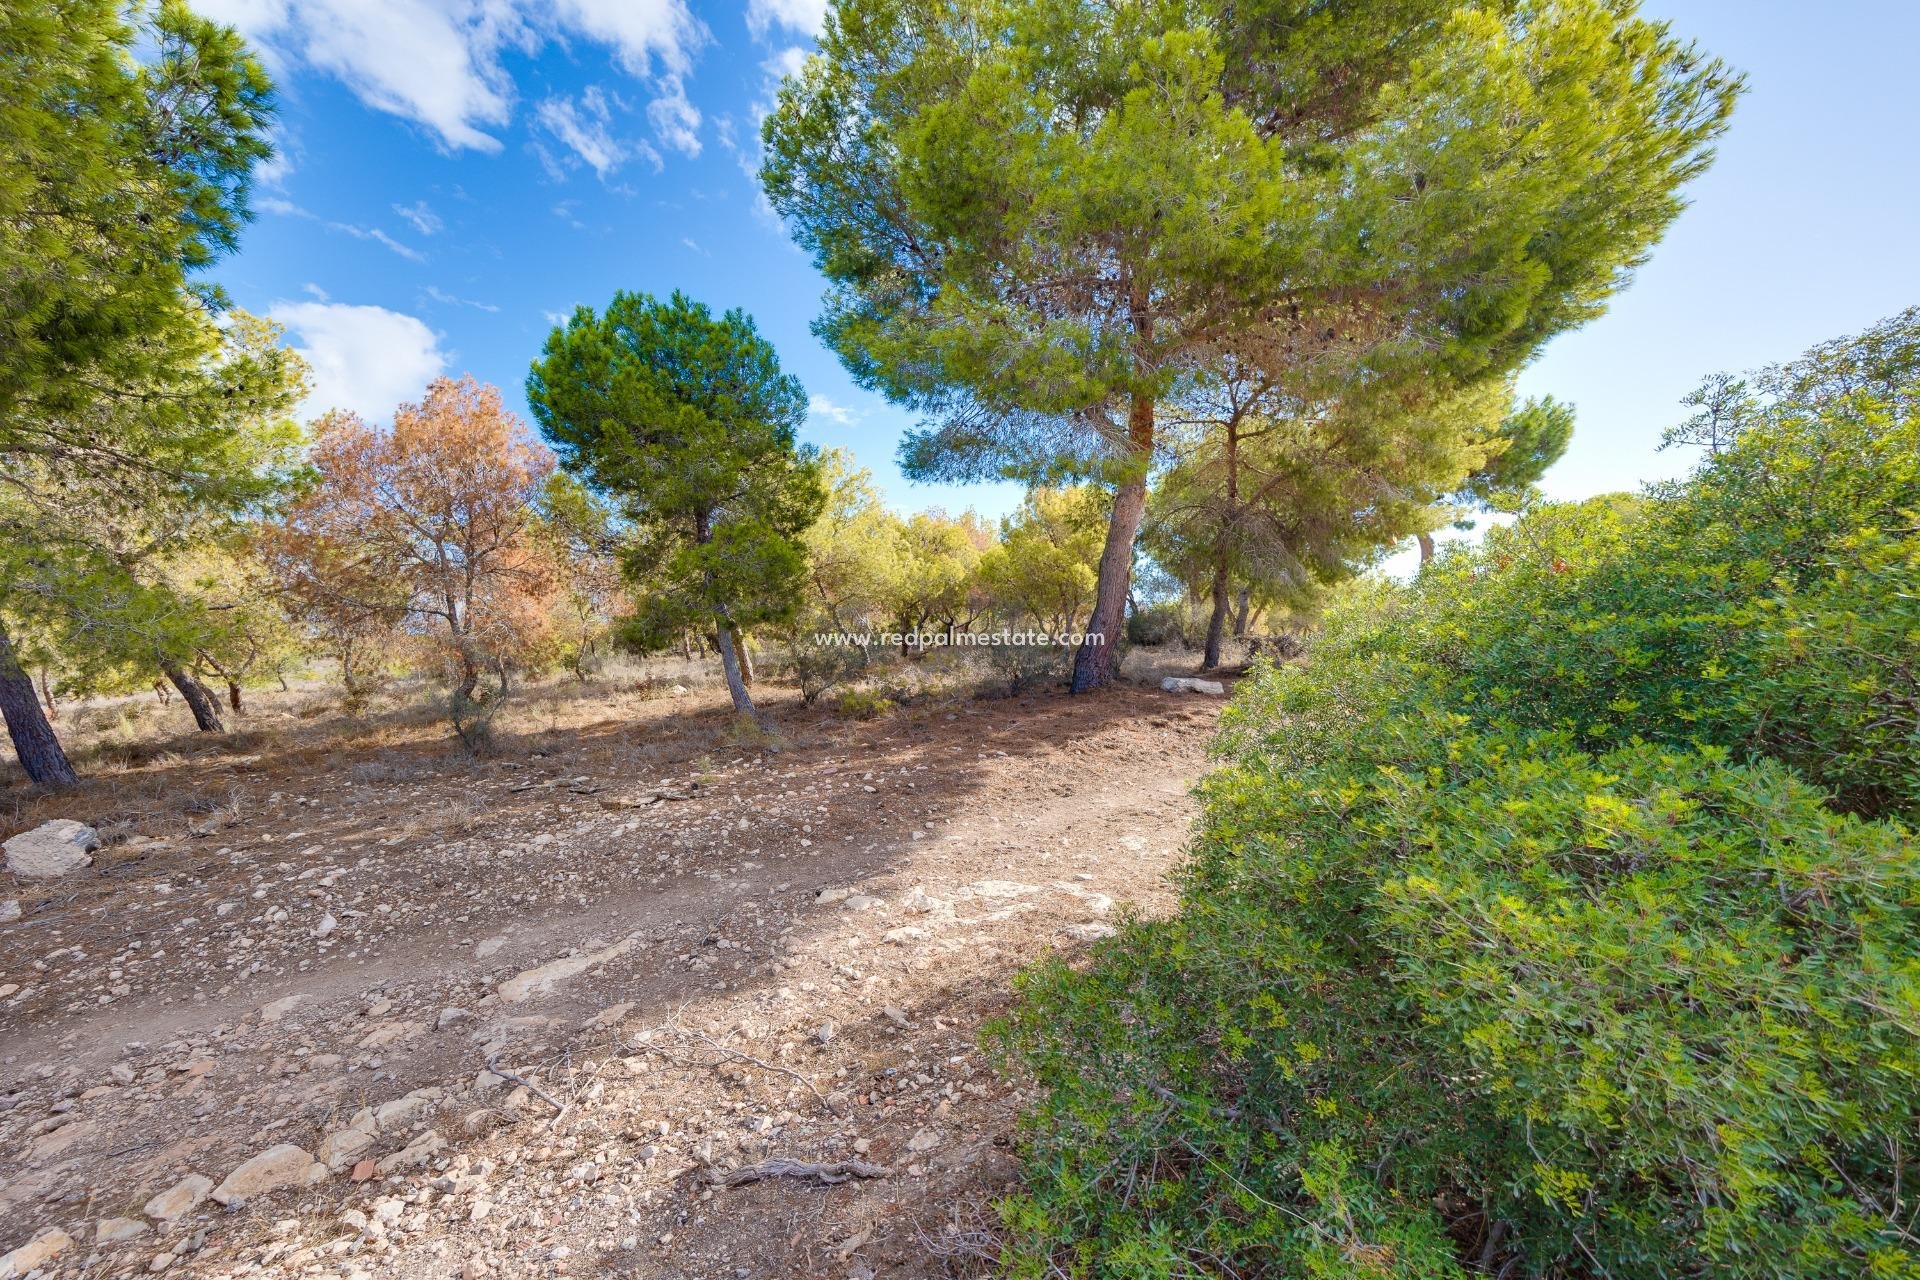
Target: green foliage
x: 126, y: 150
x: 1763, y: 605
x: 687, y: 420
x: 1042, y: 571
x: 1527, y: 929
x: 1039, y: 219
x: 1161, y: 622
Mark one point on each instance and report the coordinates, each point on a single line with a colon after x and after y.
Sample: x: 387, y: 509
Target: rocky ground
x: 640, y: 997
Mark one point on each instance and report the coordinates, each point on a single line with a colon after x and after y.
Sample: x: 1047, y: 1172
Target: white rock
x: 9, y: 910
x: 1188, y: 684
x: 925, y: 1140
x: 487, y: 947
x: 114, y: 1230
x: 542, y: 979
x: 326, y: 926
x: 182, y: 1197
x: 55, y: 848
x: 282, y: 1166
x: 863, y: 902
x: 274, y: 1010
x: 342, y: 1148
x: 35, y: 1253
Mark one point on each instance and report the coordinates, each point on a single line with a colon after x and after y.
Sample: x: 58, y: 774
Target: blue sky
x: 456, y: 174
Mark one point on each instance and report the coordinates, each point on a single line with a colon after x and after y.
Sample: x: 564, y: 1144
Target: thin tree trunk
x: 46, y: 694
x: 1217, y: 621
x: 746, y: 656
x: 723, y: 633
x: 730, y: 664
x: 1240, y: 614
x: 1093, y: 665
x: 34, y: 741
x: 233, y: 696
x: 206, y: 712
x: 1426, y: 546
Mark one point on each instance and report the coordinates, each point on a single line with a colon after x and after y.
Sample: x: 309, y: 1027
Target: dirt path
x: 693, y: 955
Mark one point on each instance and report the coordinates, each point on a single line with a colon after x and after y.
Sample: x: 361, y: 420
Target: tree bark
x: 1217, y: 621
x: 730, y: 664
x: 723, y: 632
x: 34, y: 741
x: 1093, y: 665
x: 746, y: 656
x: 233, y: 696
x: 206, y: 712
x: 1240, y: 615
x: 1426, y: 547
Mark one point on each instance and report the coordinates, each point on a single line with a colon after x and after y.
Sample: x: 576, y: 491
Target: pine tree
x: 686, y: 419
x: 126, y: 149
x: 1036, y: 216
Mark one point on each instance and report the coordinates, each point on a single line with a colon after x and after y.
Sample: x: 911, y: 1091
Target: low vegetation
x: 1557, y: 917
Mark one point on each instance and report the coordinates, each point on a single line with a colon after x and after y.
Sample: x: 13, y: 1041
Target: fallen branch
x: 830, y: 1174
x: 711, y: 1043
x: 526, y: 1084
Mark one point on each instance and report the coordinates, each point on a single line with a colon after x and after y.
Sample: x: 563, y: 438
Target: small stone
x: 451, y: 1016
x: 1188, y: 684
x: 52, y: 849
x: 9, y: 910
x: 342, y: 1148
x: 182, y: 1197
x: 862, y: 902
x: 925, y: 1140
x: 487, y: 947
x: 827, y: 897
x: 114, y: 1230
x: 284, y: 1165
x: 326, y: 926
x: 419, y: 1151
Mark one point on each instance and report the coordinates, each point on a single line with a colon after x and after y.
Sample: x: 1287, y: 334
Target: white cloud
x: 442, y: 296
x: 424, y: 219
x: 676, y: 120
x: 804, y: 17
x: 365, y: 359
x: 378, y: 237
x: 287, y: 208
x: 439, y: 62
x: 586, y: 129
x: 821, y: 407
x: 314, y: 290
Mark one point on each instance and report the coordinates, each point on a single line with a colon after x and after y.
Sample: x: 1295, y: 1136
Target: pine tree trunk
x: 206, y: 712
x: 723, y: 632
x: 1426, y: 547
x: 730, y: 664
x: 1240, y: 614
x: 1217, y: 621
x: 746, y: 656
x: 1093, y: 665
x: 233, y: 696
x: 34, y: 741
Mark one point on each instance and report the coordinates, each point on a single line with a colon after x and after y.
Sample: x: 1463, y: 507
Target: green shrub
x: 1653, y: 1011
x: 1558, y: 919
x: 1157, y: 624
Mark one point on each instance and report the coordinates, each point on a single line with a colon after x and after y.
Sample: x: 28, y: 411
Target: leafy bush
x: 1558, y: 919
x: 1161, y: 623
